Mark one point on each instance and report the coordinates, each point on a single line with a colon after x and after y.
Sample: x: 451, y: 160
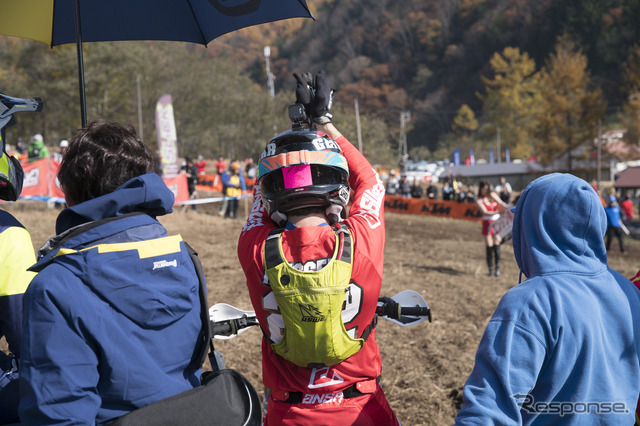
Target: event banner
x: 40, y: 181
x: 426, y: 207
x: 167, y: 137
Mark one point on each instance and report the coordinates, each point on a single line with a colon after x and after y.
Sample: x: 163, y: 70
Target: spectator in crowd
x: 37, y: 150
x: 626, y: 207
x: 21, y: 147
x: 461, y: 193
x: 614, y: 223
x: 250, y: 168
x: 234, y: 186
x: 201, y: 165
x: 432, y: 191
x: 447, y: 190
x: 567, y: 336
x: 191, y: 171
x: 504, y: 190
x: 416, y: 188
x: 157, y: 161
x: 221, y: 166
x: 16, y: 255
x: 490, y: 204
x: 393, y: 183
x: 404, y: 186
x: 470, y: 195
x: 112, y: 319
x: 57, y: 156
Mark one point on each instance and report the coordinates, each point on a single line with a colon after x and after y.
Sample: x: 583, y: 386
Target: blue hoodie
x: 562, y: 347
x: 112, y: 319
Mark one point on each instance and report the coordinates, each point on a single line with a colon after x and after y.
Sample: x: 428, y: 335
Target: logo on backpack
x: 310, y: 313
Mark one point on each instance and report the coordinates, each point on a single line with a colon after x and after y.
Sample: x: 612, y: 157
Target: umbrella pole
x: 83, y: 99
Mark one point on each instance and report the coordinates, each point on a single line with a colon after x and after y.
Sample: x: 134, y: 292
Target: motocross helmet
x: 11, y: 176
x: 303, y: 168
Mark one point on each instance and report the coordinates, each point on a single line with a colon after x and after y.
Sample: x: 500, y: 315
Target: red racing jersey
x: 310, y: 248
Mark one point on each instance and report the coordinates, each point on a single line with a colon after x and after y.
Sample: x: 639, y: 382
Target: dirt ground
x: 424, y: 366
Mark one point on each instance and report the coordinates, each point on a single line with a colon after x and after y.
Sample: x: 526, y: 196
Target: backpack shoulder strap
x: 206, y: 337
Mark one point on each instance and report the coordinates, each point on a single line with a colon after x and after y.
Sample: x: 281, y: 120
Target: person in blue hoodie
x: 112, y: 318
x: 562, y: 346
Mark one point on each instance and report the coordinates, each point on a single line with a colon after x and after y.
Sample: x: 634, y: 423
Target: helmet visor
x: 325, y: 158
x: 300, y: 176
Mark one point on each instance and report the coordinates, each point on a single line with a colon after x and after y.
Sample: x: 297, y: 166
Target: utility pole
x: 405, y: 116
x: 358, y: 132
x: 270, y: 88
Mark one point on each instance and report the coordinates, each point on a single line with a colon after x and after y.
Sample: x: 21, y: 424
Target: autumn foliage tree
x: 570, y: 106
x: 630, y: 116
x: 512, y: 99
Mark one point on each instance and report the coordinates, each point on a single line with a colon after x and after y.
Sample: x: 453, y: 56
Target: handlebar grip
x: 418, y: 311
x: 221, y: 328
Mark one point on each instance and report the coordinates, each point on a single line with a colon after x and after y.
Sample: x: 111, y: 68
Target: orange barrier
x: 40, y: 181
x: 425, y: 207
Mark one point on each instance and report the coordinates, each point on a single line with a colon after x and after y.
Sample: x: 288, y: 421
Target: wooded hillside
x: 440, y: 60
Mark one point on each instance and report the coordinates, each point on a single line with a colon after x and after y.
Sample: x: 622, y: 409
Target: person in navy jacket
x: 112, y: 319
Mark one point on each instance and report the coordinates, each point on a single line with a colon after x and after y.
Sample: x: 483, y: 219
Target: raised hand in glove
x: 304, y: 90
x: 321, y: 102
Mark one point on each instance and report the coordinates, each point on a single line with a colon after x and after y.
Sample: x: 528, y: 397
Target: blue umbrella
x: 57, y: 22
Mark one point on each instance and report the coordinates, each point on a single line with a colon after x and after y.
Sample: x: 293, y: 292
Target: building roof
x: 630, y: 178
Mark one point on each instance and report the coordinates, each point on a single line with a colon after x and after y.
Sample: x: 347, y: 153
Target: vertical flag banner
x: 507, y: 158
x: 167, y: 138
x: 456, y: 157
x: 490, y: 155
x: 471, y: 157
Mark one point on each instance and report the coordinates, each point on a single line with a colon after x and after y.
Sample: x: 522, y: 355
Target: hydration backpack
x: 311, y: 304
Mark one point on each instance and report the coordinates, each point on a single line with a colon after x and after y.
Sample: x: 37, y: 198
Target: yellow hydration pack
x: 311, y: 304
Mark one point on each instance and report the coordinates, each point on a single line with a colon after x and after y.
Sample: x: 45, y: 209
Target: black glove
x: 304, y: 90
x: 321, y: 102
x: 390, y: 308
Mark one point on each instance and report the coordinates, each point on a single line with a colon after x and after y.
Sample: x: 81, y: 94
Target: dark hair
x: 100, y: 159
x: 481, y: 186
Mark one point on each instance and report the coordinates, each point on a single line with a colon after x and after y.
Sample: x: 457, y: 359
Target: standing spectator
x: 37, y: 150
x: 416, y: 188
x: 192, y: 179
x: 221, y: 166
x: 461, y: 193
x: 447, y: 190
x: 57, y: 156
x: 567, y: 336
x: 21, y: 148
x: 504, y: 190
x: 490, y: 204
x: 329, y: 377
x: 626, y: 206
x: 235, y: 185
x: 432, y: 191
x: 614, y: 227
x: 250, y: 168
x: 16, y: 255
x: 470, y: 195
x: 112, y: 319
x: 393, y: 183
x: 201, y: 165
x: 404, y: 186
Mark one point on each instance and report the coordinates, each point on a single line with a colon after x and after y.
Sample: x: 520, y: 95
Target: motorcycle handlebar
x: 231, y: 327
